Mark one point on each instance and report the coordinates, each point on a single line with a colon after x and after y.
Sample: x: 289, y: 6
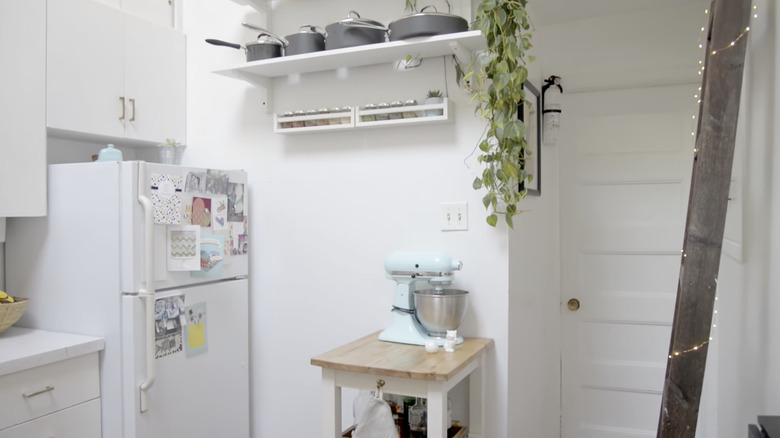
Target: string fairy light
x: 698, y: 96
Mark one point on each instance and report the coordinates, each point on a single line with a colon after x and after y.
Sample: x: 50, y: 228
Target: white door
x: 202, y: 375
x: 625, y: 180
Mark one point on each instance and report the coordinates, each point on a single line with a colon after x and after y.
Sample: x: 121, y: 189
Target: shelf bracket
x: 462, y: 53
x: 264, y: 89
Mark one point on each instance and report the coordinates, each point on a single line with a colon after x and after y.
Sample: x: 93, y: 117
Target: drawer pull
x: 42, y: 391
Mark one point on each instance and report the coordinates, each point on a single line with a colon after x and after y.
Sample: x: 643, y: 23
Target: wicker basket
x: 11, y: 312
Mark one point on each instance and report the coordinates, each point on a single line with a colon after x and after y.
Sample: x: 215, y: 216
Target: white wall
x: 328, y: 208
x: 748, y: 283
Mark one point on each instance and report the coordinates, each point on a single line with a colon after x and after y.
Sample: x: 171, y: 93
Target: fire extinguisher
x: 551, y: 92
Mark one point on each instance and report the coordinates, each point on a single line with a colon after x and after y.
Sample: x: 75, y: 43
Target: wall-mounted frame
x: 531, y: 115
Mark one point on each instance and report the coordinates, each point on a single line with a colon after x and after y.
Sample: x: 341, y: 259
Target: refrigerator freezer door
x: 178, y: 194
x: 202, y: 387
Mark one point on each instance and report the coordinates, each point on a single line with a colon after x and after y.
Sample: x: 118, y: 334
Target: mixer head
x: 432, y: 266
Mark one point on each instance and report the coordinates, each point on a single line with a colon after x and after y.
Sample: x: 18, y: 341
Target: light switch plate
x: 454, y: 216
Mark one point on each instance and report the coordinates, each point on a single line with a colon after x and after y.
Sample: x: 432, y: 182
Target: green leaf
x: 492, y: 220
x: 509, y: 221
x: 477, y: 184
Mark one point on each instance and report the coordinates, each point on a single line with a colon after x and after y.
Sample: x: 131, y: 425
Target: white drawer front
x: 82, y: 421
x: 39, y: 391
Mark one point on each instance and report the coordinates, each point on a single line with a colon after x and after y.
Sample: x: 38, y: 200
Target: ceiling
x: 549, y: 12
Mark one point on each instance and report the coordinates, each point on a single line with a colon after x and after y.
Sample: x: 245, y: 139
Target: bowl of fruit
x: 11, y: 309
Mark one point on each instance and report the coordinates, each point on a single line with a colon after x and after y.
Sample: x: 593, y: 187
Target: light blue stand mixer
x: 421, y: 316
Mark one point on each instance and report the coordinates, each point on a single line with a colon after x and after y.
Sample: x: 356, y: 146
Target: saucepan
x: 308, y: 39
x: 267, y: 45
x: 425, y: 24
x: 421, y: 24
x: 354, y: 31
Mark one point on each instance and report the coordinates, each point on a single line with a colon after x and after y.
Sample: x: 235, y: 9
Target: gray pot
x: 425, y: 24
x: 354, y: 31
x: 308, y: 39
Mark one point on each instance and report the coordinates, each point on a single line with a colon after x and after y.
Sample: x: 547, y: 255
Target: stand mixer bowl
x: 440, y: 310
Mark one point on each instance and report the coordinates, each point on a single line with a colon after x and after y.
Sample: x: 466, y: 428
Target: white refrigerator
x: 154, y: 259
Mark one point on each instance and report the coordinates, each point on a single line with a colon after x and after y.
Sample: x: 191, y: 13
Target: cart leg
x: 477, y: 400
x: 437, y: 411
x: 331, y: 405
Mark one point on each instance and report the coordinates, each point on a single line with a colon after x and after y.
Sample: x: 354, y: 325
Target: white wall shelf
x: 461, y: 44
x: 359, y: 118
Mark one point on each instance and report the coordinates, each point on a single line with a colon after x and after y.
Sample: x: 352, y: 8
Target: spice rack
x: 359, y: 118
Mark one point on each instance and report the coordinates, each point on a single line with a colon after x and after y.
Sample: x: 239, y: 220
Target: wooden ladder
x: 707, y: 205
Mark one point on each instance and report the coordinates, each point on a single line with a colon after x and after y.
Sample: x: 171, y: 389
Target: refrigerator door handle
x: 148, y: 292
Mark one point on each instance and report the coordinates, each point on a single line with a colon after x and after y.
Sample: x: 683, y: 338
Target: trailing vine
x: 495, y: 80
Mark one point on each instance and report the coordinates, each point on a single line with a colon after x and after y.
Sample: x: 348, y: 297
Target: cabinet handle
x: 42, y: 391
x: 122, y: 99
x: 132, y: 112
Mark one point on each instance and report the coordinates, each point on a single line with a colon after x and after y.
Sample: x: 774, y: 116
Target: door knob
x: 573, y: 304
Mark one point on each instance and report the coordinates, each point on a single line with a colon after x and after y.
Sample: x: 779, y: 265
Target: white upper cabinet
x: 156, y: 11
x: 113, y: 74
x: 22, y: 108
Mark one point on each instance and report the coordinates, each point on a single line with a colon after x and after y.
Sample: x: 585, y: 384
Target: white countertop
x: 24, y: 348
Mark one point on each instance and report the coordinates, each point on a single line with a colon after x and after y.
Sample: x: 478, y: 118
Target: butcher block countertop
x: 369, y: 355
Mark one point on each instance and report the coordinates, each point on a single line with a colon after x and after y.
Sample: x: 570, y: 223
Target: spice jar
x: 298, y: 123
x: 282, y: 123
x: 311, y: 122
x: 334, y: 120
x: 408, y: 114
x: 383, y: 106
x: 396, y: 114
x: 369, y: 117
x: 323, y: 120
x: 346, y: 119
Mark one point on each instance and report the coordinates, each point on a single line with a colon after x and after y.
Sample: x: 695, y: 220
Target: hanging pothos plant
x: 495, y: 80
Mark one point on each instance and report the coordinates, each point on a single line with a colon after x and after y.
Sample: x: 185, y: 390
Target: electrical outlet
x: 454, y: 216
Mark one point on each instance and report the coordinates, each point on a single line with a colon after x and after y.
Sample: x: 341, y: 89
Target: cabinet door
x: 23, y: 108
x: 156, y: 11
x: 155, y: 80
x: 81, y: 421
x: 84, y: 75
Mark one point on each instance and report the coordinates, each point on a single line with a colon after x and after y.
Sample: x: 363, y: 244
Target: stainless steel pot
x: 354, y: 31
x: 425, y: 24
x: 308, y: 39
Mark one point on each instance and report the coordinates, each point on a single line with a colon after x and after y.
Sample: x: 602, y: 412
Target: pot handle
x: 429, y: 6
x: 223, y: 43
x: 266, y: 33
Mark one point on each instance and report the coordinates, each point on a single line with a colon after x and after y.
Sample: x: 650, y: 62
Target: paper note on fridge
x: 166, y: 198
x: 184, y: 248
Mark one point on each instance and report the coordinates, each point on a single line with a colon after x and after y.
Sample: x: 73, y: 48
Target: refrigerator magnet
x: 196, y: 341
x: 211, y: 256
x: 235, y: 202
x: 184, y: 248
x: 219, y: 213
x: 166, y: 198
x: 216, y: 182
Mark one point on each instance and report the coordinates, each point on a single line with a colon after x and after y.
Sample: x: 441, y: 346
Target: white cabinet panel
x: 40, y: 391
x: 113, y: 74
x: 154, y: 79
x: 156, y: 11
x: 82, y: 421
x: 85, y: 71
x: 22, y: 108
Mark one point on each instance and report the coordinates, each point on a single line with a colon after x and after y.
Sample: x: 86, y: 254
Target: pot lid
x: 266, y: 39
x: 309, y: 29
x: 354, y: 17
